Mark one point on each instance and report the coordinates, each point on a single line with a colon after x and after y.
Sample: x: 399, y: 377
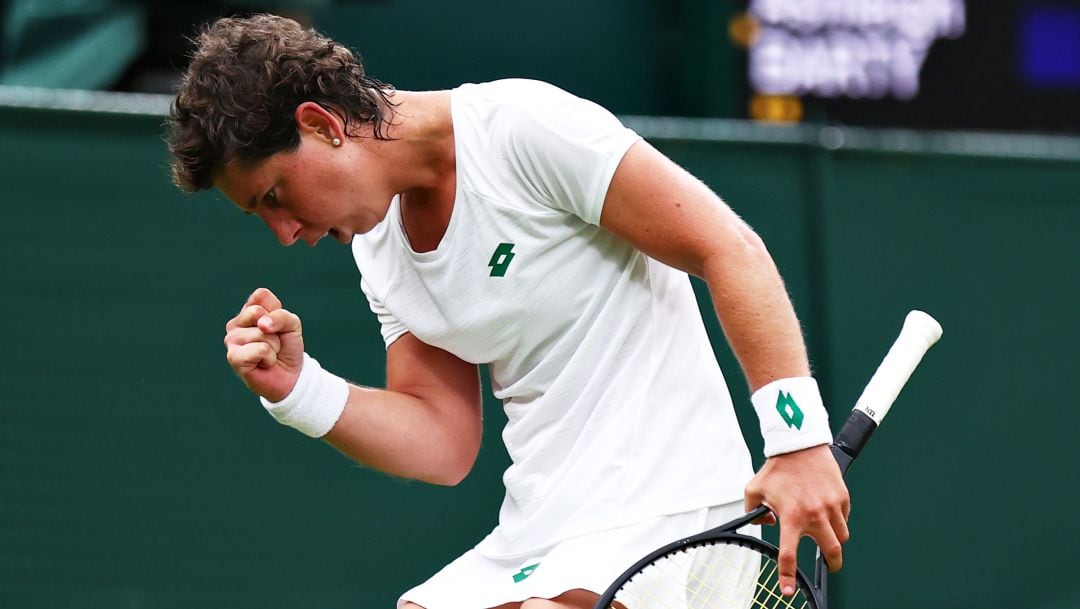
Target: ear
x: 311, y: 118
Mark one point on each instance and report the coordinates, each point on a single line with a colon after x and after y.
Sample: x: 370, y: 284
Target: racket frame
x: 726, y: 533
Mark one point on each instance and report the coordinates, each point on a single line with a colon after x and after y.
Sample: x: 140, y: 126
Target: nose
x: 287, y: 230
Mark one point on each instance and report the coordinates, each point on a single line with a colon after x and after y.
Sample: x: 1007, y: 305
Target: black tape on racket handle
x: 852, y: 438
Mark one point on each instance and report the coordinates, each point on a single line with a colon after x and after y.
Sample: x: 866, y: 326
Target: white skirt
x: 589, y: 562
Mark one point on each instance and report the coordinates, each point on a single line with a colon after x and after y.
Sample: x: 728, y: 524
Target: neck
x: 420, y: 156
x: 420, y: 151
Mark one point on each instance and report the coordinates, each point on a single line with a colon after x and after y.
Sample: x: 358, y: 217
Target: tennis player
x: 512, y: 224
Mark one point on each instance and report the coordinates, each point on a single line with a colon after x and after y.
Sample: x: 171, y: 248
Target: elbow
x: 452, y: 467
x: 456, y: 454
x: 449, y: 474
x: 449, y: 478
x: 744, y: 249
x: 750, y: 243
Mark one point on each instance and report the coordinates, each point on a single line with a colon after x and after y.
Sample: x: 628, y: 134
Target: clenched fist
x: 265, y: 346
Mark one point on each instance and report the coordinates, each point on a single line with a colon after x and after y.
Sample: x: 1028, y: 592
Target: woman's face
x: 318, y: 190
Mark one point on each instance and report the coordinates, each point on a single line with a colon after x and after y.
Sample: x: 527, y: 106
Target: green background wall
x: 136, y: 471
x: 632, y: 56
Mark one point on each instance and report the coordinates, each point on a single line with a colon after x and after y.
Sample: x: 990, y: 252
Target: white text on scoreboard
x: 852, y: 48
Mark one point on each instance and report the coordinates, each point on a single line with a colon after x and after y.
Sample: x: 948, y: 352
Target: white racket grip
x: 919, y: 333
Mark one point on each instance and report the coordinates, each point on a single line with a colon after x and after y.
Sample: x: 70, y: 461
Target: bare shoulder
x: 666, y: 212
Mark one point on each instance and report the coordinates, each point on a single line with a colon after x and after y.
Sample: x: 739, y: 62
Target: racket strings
x: 713, y: 576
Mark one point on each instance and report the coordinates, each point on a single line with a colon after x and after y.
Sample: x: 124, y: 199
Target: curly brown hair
x: 245, y: 80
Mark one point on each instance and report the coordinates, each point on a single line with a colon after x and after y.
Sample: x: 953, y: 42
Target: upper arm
x: 448, y: 385
x: 669, y: 214
x: 425, y: 425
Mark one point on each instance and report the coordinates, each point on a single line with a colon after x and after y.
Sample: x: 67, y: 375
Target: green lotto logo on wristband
x: 500, y: 260
x: 789, y: 410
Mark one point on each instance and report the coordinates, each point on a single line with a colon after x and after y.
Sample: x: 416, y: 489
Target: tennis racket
x: 724, y: 569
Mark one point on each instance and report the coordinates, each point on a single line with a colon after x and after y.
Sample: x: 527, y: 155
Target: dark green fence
x: 135, y: 471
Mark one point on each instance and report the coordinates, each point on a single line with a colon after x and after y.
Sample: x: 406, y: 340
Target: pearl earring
x: 337, y: 142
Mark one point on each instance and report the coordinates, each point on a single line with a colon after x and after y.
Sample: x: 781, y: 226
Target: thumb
x: 280, y: 321
x: 287, y: 327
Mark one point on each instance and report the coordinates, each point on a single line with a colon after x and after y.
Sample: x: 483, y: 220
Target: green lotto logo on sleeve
x: 500, y: 260
x: 524, y: 573
x: 789, y: 410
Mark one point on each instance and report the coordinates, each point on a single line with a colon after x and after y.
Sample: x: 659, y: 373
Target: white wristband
x: 314, y: 404
x: 791, y: 415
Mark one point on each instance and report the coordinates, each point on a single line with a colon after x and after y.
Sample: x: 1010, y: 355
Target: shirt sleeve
x: 391, y: 328
x: 568, y: 148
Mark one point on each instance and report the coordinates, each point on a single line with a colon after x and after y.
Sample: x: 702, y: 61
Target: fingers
x: 261, y: 302
x: 249, y: 348
x: 829, y: 530
x: 752, y: 498
x: 788, y: 557
x: 280, y: 321
x: 830, y: 548
x: 252, y: 338
x: 768, y: 518
x: 264, y: 345
x: 244, y: 336
x: 839, y: 526
x: 269, y: 321
x: 244, y: 358
x: 837, y: 534
x: 247, y: 317
x: 264, y: 298
x: 266, y: 320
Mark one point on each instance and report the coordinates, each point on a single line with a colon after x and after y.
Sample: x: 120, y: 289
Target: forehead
x: 241, y: 181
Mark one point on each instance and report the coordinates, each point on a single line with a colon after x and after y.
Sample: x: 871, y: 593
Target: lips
x: 341, y: 236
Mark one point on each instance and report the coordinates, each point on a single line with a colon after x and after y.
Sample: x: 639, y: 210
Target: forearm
x: 755, y: 311
x: 407, y: 436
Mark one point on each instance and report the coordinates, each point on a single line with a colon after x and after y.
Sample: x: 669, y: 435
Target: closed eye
x: 271, y: 198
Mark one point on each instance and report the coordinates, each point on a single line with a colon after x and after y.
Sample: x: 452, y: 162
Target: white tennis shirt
x: 617, y: 408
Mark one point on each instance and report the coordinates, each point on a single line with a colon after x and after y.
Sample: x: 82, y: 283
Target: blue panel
x: 1050, y: 47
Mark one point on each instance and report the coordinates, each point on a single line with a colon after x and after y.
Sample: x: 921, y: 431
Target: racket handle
x: 919, y: 333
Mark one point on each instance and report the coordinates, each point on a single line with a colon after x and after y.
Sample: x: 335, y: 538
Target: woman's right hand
x: 265, y: 346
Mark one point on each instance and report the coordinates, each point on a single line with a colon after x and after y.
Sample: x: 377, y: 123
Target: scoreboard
x: 941, y: 64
